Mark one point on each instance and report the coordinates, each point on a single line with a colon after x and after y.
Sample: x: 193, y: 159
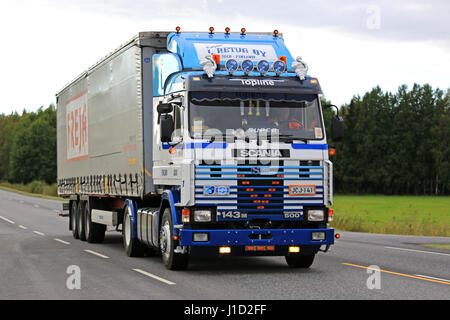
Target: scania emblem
x: 256, y: 170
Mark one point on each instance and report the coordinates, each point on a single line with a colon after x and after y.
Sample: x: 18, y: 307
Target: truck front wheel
x: 296, y: 261
x: 172, y: 260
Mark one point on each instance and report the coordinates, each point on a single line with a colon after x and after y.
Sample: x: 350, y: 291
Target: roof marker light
x: 178, y: 29
x: 231, y: 65
x: 263, y: 66
x: 275, y: 33
x: 227, y: 30
x: 279, y: 67
x: 216, y: 58
x: 243, y: 30
x: 247, y: 66
x: 211, y: 30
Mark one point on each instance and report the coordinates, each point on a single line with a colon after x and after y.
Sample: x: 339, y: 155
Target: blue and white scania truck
x: 198, y: 144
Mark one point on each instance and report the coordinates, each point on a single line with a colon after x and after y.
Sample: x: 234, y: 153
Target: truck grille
x: 258, y: 188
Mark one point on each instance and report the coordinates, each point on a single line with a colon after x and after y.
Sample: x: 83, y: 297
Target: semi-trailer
x: 198, y: 144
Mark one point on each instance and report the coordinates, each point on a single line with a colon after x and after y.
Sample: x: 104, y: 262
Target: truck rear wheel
x: 74, y: 219
x: 172, y: 260
x: 296, y: 261
x: 95, y: 232
x: 81, y: 221
x: 133, y: 247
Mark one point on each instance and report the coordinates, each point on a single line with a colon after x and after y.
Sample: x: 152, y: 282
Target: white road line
x: 36, y: 206
x: 404, y: 249
x: 420, y: 275
x: 62, y: 241
x: 7, y: 220
x: 155, y: 277
x: 97, y: 254
x: 22, y: 227
x: 39, y: 233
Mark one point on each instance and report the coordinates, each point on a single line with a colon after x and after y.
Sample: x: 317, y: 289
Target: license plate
x: 302, y: 190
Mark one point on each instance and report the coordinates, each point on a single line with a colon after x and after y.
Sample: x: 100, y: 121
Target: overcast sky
x: 350, y: 45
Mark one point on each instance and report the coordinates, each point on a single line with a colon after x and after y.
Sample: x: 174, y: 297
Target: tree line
x: 395, y: 143
x: 28, y: 146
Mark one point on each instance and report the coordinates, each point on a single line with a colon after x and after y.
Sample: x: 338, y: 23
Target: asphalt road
x: 36, y: 250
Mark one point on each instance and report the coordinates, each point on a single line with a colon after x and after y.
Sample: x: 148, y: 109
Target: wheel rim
x: 165, y: 240
x: 88, y: 221
x: 74, y: 217
x: 80, y: 220
x: 127, y: 231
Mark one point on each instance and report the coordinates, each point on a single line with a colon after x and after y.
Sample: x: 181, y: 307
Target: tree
x: 33, y: 151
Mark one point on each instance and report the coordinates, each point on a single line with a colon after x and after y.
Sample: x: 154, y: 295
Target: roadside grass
x: 406, y: 215
x: 36, y: 189
x: 437, y: 246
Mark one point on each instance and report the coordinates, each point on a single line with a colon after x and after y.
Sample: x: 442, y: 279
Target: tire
x: 133, y: 247
x: 81, y: 221
x: 74, y: 219
x: 296, y: 261
x: 95, y: 232
x: 172, y: 260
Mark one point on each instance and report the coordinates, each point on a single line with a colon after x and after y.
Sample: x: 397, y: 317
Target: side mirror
x: 337, y: 128
x: 167, y: 127
x: 164, y: 108
x: 337, y: 124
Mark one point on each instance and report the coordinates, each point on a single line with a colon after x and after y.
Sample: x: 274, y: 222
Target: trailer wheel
x: 74, y: 219
x: 133, y: 247
x: 171, y: 259
x: 95, y: 232
x: 81, y: 221
x: 296, y: 261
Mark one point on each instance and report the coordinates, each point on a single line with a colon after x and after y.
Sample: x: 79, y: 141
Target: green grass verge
x: 35, y: 189
x: 406, y: 215
x: 437, y: 246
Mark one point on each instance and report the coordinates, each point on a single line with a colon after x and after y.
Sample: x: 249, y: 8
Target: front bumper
x: 248, y: 237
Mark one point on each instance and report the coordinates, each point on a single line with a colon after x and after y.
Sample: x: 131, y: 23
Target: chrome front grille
x: 259, y: 189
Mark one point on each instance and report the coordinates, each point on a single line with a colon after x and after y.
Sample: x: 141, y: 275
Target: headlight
x: 316, y: 215
x: 202, y: 215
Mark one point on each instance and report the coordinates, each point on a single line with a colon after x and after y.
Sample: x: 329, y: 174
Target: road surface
x: 37, y: 249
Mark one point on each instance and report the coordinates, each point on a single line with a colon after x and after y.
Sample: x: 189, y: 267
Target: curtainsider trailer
x: 198, y: 144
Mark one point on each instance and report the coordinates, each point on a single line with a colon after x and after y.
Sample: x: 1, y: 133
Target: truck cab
x: 241, y: 152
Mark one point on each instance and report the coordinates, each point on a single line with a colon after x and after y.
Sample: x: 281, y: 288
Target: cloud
x: 404, y: 20
x: 46, y: 43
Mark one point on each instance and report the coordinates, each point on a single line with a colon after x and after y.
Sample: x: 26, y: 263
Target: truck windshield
x: 297, y: 119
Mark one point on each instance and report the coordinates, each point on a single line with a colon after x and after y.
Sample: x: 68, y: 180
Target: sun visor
x: 284, y: 87
x: 192, y: 47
